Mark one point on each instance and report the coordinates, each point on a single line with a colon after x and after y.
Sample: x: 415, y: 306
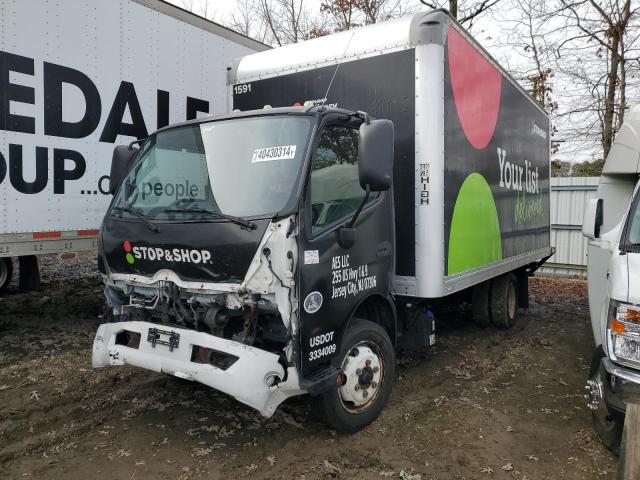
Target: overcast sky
x: 495, y: 30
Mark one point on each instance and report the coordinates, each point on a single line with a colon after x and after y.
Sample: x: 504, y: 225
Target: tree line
x: 579, y: 59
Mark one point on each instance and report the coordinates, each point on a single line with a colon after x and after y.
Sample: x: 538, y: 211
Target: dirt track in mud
x: 484, y: 404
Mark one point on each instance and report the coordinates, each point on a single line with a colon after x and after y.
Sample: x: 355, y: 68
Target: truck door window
x: 335, y: 186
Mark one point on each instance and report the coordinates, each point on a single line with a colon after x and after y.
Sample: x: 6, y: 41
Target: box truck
x: 295, y: 245
x: 612, y: 225
x: 75, y: 78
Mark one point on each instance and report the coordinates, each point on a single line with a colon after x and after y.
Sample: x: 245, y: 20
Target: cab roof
x: 316, y: 110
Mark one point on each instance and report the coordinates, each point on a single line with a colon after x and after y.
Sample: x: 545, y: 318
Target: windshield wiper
x: 239, y: 220
x: 150, y: 225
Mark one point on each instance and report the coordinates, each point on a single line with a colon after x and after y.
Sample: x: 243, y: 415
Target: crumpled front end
x: 238, y: 338
x: 251, y: 375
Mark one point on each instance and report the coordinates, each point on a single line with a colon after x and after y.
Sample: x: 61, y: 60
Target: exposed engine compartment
x: 255, y: 322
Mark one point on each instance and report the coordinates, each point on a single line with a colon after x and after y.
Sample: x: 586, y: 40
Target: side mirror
x: 592, y: 219
x: 120, y: 163
x: 375, y: 155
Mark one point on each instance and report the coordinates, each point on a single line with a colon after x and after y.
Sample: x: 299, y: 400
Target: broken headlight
x: 623, y: 329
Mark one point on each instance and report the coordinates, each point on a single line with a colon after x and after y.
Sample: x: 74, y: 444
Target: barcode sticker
x: 284, y: 152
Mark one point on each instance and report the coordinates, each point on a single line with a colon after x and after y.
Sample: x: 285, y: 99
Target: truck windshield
x: 634, y: 221
x: 242, y: 167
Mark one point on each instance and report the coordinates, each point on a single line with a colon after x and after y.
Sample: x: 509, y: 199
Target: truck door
x: 335, y: 280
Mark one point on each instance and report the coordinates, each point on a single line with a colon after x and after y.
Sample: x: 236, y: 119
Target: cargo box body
x: 471, y: 173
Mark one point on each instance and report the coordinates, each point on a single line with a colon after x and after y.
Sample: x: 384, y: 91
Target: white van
x: 612, y: 224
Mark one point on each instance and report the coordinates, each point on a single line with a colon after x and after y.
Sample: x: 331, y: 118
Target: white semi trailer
x: 75, y: 78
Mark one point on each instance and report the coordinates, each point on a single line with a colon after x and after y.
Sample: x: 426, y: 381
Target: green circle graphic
x: 130, y: 258
x: 474, y: 239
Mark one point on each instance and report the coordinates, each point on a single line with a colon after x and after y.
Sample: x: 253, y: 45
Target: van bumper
x: 620, y: 385
x: 256, y: 378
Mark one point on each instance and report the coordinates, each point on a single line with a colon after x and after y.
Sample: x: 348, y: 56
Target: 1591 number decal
x: 240, y: 89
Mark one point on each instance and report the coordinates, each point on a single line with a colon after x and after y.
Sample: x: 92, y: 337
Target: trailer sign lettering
x: 122, y: 115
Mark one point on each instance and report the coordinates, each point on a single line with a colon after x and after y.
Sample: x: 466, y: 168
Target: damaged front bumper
x: 252, y: 376
x: 621, y: 385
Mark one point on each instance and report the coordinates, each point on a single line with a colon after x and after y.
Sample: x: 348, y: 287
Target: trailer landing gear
x: 29, y: 273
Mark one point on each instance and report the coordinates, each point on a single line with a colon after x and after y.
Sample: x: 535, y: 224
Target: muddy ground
x: 484, y: 404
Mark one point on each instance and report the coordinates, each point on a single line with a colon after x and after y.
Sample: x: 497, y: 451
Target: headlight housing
x: 623, y: 332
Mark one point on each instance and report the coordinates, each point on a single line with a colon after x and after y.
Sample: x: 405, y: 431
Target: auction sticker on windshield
x: 284, y: 152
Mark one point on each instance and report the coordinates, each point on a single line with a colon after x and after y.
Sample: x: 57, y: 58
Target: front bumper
x: 248, y: 379
x: 620, y: 385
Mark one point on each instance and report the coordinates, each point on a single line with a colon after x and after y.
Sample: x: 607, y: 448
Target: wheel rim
x: 602, y: 416
x: 363, y: 367
x: 4, y: 272
x: 512, y: 302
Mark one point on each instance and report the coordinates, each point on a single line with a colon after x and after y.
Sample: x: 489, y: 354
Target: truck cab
x: 202, y: 249
x: 612, y: 225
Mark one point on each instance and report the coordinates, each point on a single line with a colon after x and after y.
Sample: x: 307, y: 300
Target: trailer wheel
x: 368, y: 362
x: 480, y: 304
x: 6, y: 271
x: 608, y: 424
x: 504, y: 301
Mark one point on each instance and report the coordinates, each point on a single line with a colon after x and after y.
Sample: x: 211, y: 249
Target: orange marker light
x: 617, y: 327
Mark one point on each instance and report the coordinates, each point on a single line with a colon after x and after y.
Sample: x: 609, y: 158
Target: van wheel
x: 368, y: 362
x: 6, y: 271
x: 608, y: 424
x: 504, y: 301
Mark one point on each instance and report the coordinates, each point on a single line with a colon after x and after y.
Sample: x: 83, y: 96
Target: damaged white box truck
x: 272, y: 252
x: 75, y: 78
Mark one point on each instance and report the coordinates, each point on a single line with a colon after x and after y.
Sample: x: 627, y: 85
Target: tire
x: 608, y: 424
x: 480, y: 305
x: 504, y: 301
x: 365, y: 346
x: 6, y: 271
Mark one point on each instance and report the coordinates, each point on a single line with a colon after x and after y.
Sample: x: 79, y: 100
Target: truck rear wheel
x: 368, y: 363
x: 6, y: 271
x: 504, y: 301
x: 480, y: 304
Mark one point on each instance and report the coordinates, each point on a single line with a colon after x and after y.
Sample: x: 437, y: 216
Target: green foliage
x: 588, y: 169
x: 585, y: 169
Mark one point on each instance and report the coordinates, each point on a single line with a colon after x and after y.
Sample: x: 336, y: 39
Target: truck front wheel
x: 368, y: 363
x: 607, y: 423
x: 504, y: 301
x: 6, y: 270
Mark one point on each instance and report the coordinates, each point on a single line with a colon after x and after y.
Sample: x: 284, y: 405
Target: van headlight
x: 623, y: 328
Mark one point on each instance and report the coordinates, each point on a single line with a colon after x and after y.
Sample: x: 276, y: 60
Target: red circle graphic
x: 476, y: 86
x: 127, y: 246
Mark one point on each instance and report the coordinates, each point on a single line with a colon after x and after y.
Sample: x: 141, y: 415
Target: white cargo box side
x: 406, y: 64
